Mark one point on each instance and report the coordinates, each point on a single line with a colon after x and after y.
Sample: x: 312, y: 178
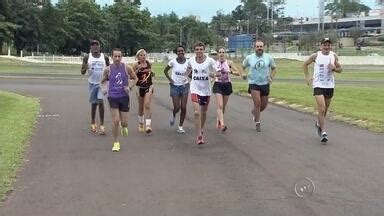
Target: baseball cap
x: 95, y: 42
x: 327, y: 39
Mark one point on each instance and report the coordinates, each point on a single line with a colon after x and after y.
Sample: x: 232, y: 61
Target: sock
x: 148, y: 122
x: 141, y: 119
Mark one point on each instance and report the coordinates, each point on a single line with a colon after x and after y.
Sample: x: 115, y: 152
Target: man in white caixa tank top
x: 326, y: 63
x: 202, y: 69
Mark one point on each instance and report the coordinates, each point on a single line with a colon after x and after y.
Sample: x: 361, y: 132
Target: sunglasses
x: 117, y: 56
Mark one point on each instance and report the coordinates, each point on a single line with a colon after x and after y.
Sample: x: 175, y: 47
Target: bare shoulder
x: 313, y: 56
x: 135, y: 65
x: 336, y: 56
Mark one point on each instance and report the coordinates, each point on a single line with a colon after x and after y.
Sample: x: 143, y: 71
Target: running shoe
x: 180, y: 130
x: 148, y: 129
x: 200, y: 140
x: 102, y: 130
x: 141, y: 127
x: 224, y: 128
x: 324, y: 137
x: 93, y: 128
x: 124, y: 131
x: 172, y: 120
x: 116, y: 147
x: 318, y: 129
x: 258, y: 126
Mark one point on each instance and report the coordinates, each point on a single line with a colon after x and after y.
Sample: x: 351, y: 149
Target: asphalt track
x: 69, y: 171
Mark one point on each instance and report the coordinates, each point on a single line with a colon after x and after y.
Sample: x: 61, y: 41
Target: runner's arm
x: 273, y: 70
x: 84, y: 66
x: 338, y: 67
x: 166, y: 70
x: 307, y: 62
x: 235, y: 70
x: 132, y: 75
x: 213, y: 72
x: 189, y: 70
x: 104, y: 79
x: 152, y: 72
x: 244, y: 67
x: 135, y: 67
x: 106, y: 58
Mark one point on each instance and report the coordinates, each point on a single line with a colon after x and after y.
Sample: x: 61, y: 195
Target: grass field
x: 18, y: 115
x: 9, y: 66
x: 358, y: 105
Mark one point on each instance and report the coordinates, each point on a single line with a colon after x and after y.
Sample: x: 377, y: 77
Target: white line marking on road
x: 49, y: 115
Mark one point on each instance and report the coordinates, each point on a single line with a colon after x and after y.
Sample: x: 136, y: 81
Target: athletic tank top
x: 118, y: 80
x: 322, y: 76
x: 200, y: 83
x: 144, y: 76
x: 96, y: 68
x: 179, y: 72
x: 225, y: 70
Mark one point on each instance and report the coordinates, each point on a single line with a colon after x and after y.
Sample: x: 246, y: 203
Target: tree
x: 131, y: 27
x: 81, y: 21
x: 344, y: 7
x: 257, y: 14
x: 223, y: 24
x: 7, y: 27
x: 167, y: 27
x: 25, y: 15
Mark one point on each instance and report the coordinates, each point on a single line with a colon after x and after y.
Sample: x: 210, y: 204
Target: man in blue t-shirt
x: 262, y: 70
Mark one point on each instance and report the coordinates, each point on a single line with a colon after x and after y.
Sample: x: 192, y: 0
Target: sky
x: 205, y: 9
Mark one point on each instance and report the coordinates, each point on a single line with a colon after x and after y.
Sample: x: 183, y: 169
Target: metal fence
x: 165, y: 57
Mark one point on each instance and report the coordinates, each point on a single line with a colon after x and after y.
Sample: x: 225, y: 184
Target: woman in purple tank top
x: 118, y: 75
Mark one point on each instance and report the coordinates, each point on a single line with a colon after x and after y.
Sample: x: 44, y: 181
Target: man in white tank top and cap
x: 94, y: 63
x: 326, y: 63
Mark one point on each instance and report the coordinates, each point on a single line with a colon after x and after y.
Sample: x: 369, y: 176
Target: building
x: 343, y: 26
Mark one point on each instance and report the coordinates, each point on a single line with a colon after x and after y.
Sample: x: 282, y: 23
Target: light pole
x: 301, y: 25
x: 181, y: 34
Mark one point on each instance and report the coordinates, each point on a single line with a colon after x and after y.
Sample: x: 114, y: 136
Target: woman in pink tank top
x: 222, y: 88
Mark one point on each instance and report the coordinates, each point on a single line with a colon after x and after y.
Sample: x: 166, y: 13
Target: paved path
x: 68, y: 171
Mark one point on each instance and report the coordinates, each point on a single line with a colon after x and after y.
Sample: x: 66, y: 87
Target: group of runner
x: 194, y: 76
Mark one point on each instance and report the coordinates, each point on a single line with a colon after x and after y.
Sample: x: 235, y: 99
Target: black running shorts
x: 264, y: 89
x: 327, y: 92
x: 224, y: 88
x: 122, y: 104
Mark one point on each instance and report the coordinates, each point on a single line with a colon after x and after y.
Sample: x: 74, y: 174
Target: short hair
x: 180, y: 46
x: 198, y: 44
x: 116, y: 50
x: 219, y: 48
x: 95, y: 41
x: 326, y: 40
x: 258, y: 40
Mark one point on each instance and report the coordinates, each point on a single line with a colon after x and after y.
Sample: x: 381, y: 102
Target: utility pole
x: 301, y: 25
x: 272, y: 16
x: 321, y: 16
